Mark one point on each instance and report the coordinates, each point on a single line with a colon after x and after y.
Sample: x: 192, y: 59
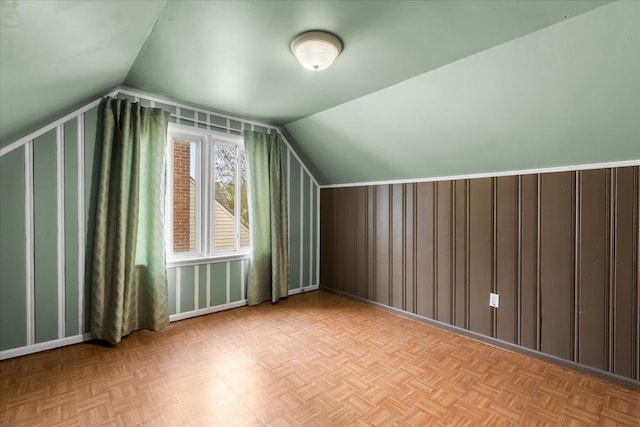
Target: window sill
x: 183, y: 262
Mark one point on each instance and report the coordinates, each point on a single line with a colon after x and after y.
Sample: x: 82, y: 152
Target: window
x: 207, y: 204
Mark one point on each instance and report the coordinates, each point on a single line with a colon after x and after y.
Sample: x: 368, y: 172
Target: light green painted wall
x: 218, y: 284
x: 171, y: 279
x: 45, y: 237
x: 187, y: 279
x: 13, y: 304
x: 294, y: 225
x: 564, y: 95
x: 202, y: 286
x: 235, y: 281
x: 306, y: 218
x: 71, y: 227
x: 55, y: 55
x: 13, y: 317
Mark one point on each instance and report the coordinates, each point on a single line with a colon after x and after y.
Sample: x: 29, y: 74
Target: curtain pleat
x: 129, y: 283
x: 268, y: 277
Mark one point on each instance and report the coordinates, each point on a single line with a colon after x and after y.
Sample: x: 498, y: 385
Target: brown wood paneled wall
x: 561, y: 249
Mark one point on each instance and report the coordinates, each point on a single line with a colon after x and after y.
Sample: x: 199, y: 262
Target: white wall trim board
x: 153, y: 100
x: 175, y: 263
x: 303, y: 289
x: 208, y: 310
x: 33, y: 135
x: 81, y: 235
x: 571, y: 168
x: 60, y: 228
x: 30, y: 242
x: 47, y: 345
x: 126, y: 91
x: 195, y: 121
x: 286, y: 141
x: 76, y: 339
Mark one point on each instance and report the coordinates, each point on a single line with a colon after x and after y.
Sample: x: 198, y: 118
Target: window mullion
x: 212, y: 193
x: 207, y: 213
x: 203, y: 232
x: 238, y: 190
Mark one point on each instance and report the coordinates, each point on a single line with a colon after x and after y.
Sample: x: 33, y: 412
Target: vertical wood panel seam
x: 519, y: 264
x: 81, y: 219
x: 494, y: 250
x: 467, y: 255
x: 538, y: 259
x: 404, y: 247
x: 354, y: 252
x: 452, y: 259
x: 30, y: 242
x: 415, y: 248
x: 636, y: 270
x: 434, y: 254
x: 60, y: 231
x: 366, y: 242
x: 577, y: 229
x: 612, y: 270
x: 375, y: 243
x: 390, y: 245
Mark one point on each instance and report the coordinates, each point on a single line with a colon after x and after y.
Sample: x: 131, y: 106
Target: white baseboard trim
x: 76, y: 339
x: 47, y: 345
x: 208, y: 310
x: 303, y: 289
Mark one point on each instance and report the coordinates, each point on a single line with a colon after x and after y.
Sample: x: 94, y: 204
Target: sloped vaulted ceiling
x: 421, y: 89
x: 57, y: 55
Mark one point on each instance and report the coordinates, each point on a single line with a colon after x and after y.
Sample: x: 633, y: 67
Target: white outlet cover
x: 494, y: 300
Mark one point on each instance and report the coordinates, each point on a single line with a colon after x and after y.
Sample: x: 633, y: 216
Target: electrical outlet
x: 494, y: 300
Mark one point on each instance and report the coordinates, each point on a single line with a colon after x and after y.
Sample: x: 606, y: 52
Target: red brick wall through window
x: 183, y: 214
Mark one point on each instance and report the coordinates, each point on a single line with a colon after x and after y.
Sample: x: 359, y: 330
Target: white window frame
x: 206, y: 141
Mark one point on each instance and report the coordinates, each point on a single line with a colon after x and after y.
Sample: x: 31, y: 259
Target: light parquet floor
x: 314, y: 359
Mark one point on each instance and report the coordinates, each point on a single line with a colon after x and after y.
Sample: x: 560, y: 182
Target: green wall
x: 564, y: 95
x: 64, y: 313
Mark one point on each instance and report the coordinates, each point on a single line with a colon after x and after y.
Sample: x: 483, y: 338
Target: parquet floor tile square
x: 314, y: 359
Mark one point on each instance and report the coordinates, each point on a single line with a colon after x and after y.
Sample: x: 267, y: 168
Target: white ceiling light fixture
x: 316, y: 50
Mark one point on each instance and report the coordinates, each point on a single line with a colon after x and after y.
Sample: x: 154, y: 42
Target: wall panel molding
x: 51, y: 286
x: 561, y: 249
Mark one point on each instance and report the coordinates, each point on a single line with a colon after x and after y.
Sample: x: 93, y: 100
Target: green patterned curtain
x: 129, y: 286
x: 269, y: 272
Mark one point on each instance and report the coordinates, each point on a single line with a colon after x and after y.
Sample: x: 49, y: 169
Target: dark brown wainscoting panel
x: 506, y: 259
x: 561, y: 249
x: 556, y: 264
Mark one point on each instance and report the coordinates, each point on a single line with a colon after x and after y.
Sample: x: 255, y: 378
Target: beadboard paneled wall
x: 561, y: 249
x: 48, y: 182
